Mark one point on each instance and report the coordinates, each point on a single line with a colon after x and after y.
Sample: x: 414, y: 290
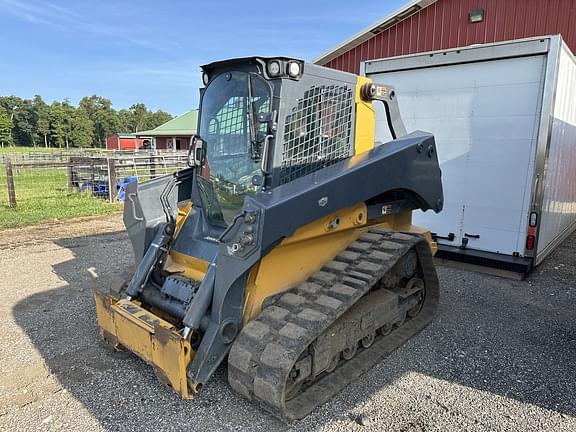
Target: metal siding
x: 421, y: 25
x: 509, y: 30
x: 552, y: 14
x: 444, y: 24
x: 384, y: 44
x: 392, y: 41
x: 520, y: 22
x: 531, y: 17
x: 429, y: 35
x: 563, y: 18
x: 445, y: 35
x: 372, y: 48
x: 570, y: 18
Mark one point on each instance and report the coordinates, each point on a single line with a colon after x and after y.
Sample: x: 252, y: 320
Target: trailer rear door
x: 485, y: 117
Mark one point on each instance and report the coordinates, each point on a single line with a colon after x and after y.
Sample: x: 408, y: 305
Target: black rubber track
x: 265, y: 351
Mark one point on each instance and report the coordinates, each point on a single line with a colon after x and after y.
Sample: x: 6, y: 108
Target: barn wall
x: 130, y: 143
x: 162, y: 142
x: 113, y: 142
x: 444, y: 25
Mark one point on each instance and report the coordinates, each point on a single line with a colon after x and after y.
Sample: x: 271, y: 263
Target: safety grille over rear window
x: 317, y: 131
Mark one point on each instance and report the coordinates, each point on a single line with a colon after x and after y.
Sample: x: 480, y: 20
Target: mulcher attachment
x: 321, y: 335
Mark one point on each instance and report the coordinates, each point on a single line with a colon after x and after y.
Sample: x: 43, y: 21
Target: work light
x: 274, y: 68
x: 293, y: 69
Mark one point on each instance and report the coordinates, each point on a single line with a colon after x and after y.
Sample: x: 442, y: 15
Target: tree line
x: 34, y: 123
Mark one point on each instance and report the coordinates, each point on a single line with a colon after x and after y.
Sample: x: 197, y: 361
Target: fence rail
x: 28, y: 179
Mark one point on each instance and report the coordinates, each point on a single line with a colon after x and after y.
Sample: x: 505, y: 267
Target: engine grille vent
x: 317, y: 131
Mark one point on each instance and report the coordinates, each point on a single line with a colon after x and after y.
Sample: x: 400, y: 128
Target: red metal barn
x: 430, y: 25
x: 123, y: 141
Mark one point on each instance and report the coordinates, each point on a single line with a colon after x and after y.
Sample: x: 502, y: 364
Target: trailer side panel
x: 558, y: 217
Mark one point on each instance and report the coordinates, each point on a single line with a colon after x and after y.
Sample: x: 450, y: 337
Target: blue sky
x: 150, y: 51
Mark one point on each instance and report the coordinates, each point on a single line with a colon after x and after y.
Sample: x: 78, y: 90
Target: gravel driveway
x: 501, y: 354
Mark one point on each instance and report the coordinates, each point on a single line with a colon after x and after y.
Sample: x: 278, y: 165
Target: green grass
x: 11, y: 150
x: 42, y: 195
x: 25, y: 150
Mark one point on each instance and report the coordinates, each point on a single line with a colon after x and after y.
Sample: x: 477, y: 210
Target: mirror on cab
x: 196, y: 152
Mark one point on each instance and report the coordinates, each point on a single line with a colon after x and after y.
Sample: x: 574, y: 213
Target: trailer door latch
x: 450, y: 237
x: 473, y: 236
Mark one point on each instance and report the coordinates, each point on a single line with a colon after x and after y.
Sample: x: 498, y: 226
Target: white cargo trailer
x: 504, y: 118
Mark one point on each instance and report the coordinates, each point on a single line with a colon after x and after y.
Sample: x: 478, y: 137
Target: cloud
x: 36, y: 13
x: 63, y: 10
x: 66, y: 19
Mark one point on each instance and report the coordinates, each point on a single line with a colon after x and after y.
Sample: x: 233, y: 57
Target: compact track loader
x: 287, y: 248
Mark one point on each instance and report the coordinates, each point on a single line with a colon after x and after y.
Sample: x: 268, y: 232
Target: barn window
x: 476, y: 16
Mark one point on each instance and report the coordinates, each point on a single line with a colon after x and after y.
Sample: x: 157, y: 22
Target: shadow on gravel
x: 118, y: 389
x: 510, y: 338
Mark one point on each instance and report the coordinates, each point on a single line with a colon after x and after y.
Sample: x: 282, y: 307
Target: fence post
x: 70, y: 175
x: 152, y: 167
x: 92, y: 176
x: 10, y: 183
x: 111, y: 178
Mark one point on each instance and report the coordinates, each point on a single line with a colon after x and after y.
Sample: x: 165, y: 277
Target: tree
x: 59, y: 124
x: 81, y: 129
x: 5, y: 127
x: 25, y: 122
x: 22, y: 115
x: 10, y: 103
x: 103, y: 116
x: 124, y: 118
x: 139, y: 118
x: 159, y: 118
x: 69, y: 112
x: 140, y: 115
x: 57, y: 117
x: 42, y: 115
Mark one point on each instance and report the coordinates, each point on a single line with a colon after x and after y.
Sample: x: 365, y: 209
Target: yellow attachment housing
x: 191, y: 267
x: 124, y: 323
x: 365, y: 120
x: 182, y: 215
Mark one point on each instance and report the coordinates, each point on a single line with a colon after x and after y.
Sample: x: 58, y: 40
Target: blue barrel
x: 121, y: 186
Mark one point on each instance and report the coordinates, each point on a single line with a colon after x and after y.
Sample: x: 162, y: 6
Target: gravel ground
x: 501, y: 354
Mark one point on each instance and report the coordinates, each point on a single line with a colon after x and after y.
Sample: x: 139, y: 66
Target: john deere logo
x: 387, y: 209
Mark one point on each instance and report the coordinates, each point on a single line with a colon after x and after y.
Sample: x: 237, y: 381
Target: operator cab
x: 247, y: 141
x: 236, y: 119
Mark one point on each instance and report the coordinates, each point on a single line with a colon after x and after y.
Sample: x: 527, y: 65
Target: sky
x: 151, y: 51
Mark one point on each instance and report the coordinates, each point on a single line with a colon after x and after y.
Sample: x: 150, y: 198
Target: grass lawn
x: 24, y: 150
x: 42, y: 195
